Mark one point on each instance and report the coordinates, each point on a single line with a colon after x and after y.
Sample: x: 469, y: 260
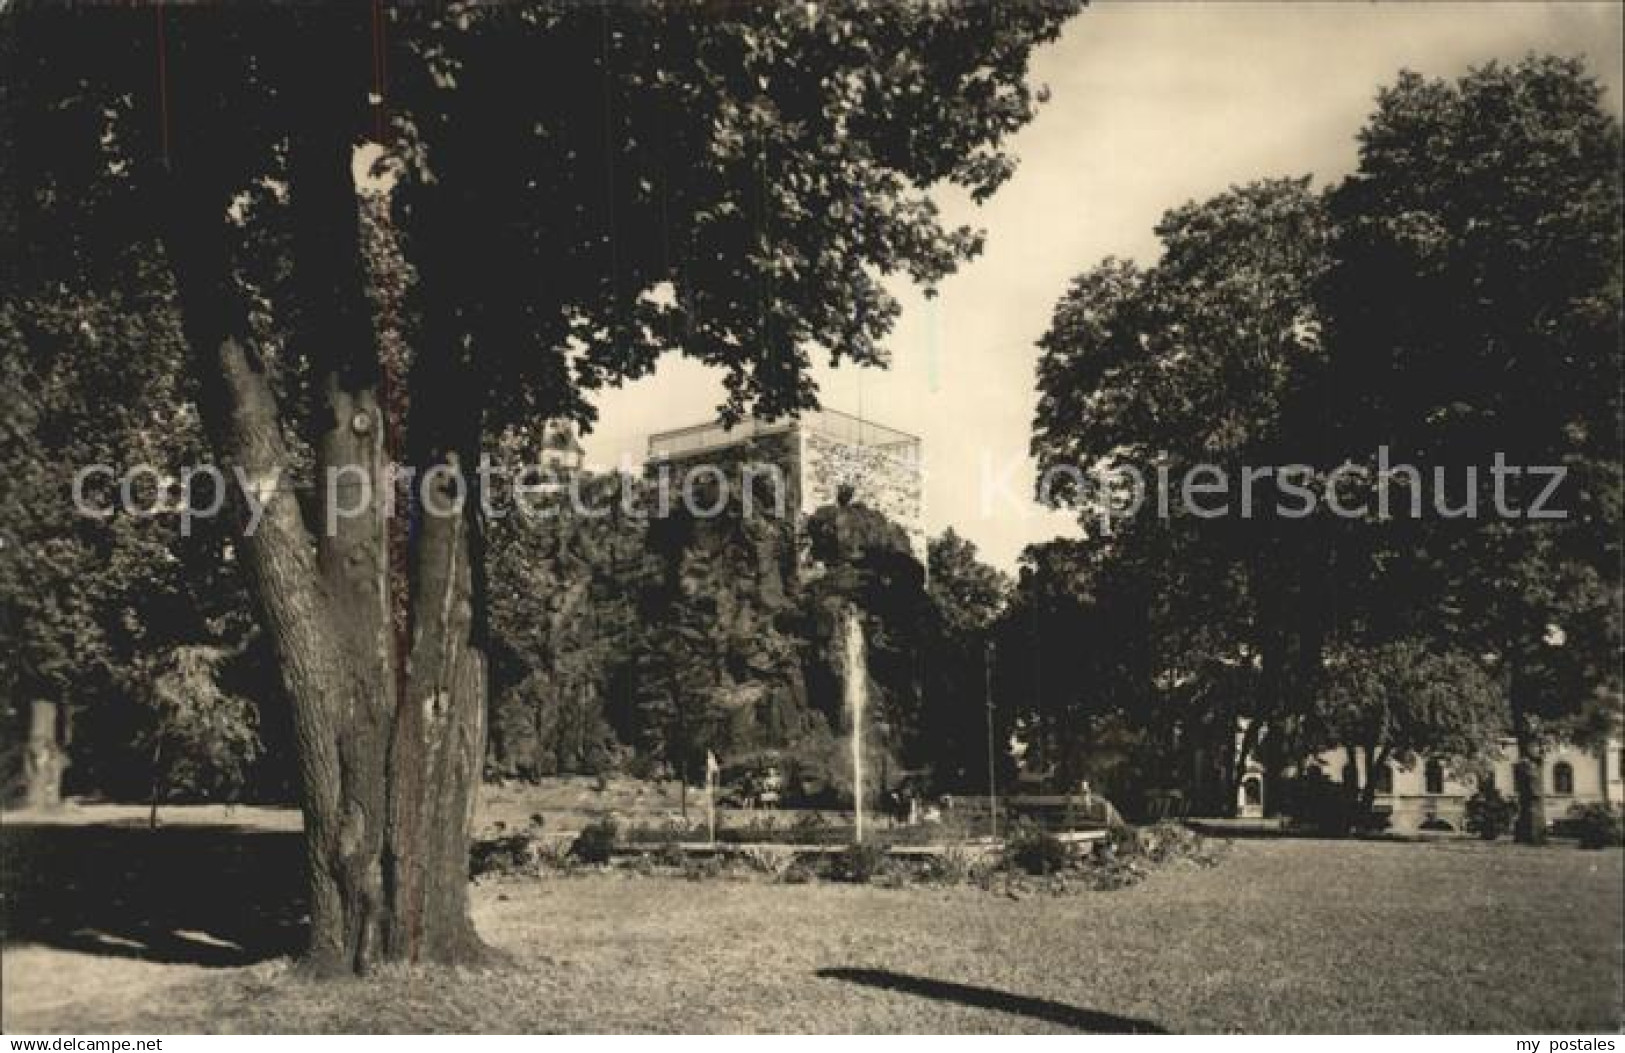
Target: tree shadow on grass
x: 1088, y: 1020
x: 213, y: 896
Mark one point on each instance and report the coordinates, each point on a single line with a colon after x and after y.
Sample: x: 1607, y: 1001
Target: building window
x: 1252, y: 793
x: 1433, y: 777
x: 1562, y: 778
x: 1383, y: 778
x: 1486, y: 782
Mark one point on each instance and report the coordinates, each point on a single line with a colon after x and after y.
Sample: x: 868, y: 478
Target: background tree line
x: 638, y: 645
x: 1456, y: 298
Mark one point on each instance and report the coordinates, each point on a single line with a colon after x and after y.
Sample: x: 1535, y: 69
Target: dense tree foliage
x: 1453, y: 306
x: 1475, y: 311
x: 1400, y: 703
x: 966, y: 600
x: 203, y: 736
x: 92, y: 604
x: 567, y: 626
x: 1199, y: 364
x: 577, y: 188
x: 642, y: 643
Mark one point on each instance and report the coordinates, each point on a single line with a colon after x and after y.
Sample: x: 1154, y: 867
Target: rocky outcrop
x: 641, y: 644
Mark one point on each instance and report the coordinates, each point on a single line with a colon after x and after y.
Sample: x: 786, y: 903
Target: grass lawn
x: 1284, y: 935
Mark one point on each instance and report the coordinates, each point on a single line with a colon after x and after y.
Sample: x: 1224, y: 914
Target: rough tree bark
x: 377, y: 648
x: 44, y: 760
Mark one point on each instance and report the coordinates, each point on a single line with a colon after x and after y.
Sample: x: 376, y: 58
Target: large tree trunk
x: 1357, y: 791
x: 1273, y: 702
x: 387, y: 689
x: 44, y: 760
x: 1241, y: 749
x: 1291, y: 616
x: 438, y: 749
x: 1274, y: 690
x: 1375, y: 761
x: 1530, y: 827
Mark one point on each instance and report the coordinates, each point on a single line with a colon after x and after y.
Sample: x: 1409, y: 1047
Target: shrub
x: 1596, y: 825
x: 596, y: 842
x: 552, y: 854
x: 669, y: 854
x: 202, y: 736
x: 676, y: 829
x: 509, y: 854
x: 768, y: 859
x: 800, y: 872
x: 1371, y: 821
x: 859, y: 864
x: 893, y: 877
x: 1120, y: 841
x: 1127, y: 855
x: 1321, y: 806
x: 952, y: 866
x: 809, y: 826
x: 1109, y: 873
x: 696, y: 868
x: 1168, y: 841
x: 1037, y: 851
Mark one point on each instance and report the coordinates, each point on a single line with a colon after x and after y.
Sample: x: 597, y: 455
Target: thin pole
x: 856, y: 686
x: 885, y: 778
x: 992, y: 770
x: 157, y: 780
x: 857, y: 753
x: 711, y: 801
x: 857, y: 780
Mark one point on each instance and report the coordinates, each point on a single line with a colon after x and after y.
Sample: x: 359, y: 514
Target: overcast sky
x: 1153, y: 105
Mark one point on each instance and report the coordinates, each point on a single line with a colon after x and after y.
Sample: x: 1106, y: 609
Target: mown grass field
x: 1288, y: 935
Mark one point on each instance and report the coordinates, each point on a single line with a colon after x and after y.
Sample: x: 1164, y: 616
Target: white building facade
x: 1431, y: 795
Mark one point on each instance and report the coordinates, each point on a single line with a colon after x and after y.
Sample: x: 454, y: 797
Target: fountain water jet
x: 856, y: 675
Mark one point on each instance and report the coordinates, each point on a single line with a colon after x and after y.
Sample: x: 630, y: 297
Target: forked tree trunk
x: 387, y: 689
